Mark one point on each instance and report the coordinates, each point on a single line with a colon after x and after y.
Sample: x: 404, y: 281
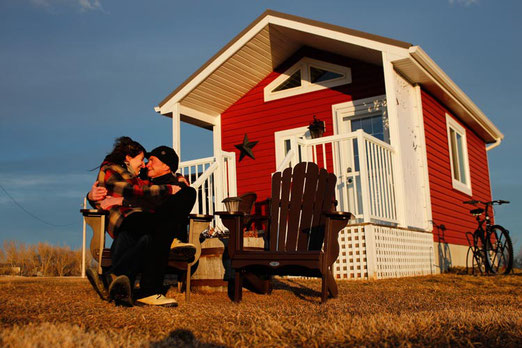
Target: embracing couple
x: 147, y: 218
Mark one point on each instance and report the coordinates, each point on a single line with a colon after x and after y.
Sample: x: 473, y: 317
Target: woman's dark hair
x: 124, y: 146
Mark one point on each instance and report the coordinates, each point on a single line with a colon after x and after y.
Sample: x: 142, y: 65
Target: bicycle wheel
x: 470, y: 261
x: 479, y: 255
x: 499, y: 250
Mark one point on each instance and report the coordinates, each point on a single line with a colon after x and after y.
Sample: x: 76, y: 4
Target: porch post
x: 371, y: 252
x: 83, y: 239
x: 220, y: 174
x: 363, y: 174
x: 176, y: 129
x: 394, y: 125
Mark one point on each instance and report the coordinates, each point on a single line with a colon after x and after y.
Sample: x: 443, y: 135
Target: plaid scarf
x: 119, y: 182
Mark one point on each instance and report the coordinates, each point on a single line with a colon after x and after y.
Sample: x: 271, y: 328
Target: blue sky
x: 76, y: 74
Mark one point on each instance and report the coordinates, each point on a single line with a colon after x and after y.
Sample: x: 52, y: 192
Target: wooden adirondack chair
x: 96, y: 220
x: 302, y: 230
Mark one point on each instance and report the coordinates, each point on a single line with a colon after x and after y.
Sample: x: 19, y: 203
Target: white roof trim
x: 166, y: 108
x: 291, y: 24
x: 424, y: 62
x: 335, y: 35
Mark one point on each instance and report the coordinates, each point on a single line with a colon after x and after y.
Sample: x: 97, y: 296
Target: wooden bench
x: 301, y: 230
x: 96, y: 220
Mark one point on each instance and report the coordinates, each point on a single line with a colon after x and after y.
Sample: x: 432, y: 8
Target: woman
x: 130, y: 226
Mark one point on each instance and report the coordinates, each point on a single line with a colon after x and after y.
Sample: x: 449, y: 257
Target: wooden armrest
x: 230, y: 214
x: 94, y: 212
x: 258, y: 217
x: 201, y: 217
x: 338, y: 215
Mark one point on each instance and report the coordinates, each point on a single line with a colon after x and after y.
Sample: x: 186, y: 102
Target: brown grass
x: 442, y: 310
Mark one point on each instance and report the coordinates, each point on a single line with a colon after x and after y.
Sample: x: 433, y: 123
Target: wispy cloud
x: 80, y: 5
x: 465, y: 3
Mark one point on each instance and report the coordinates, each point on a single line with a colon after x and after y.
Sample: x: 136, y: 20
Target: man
x: 146, y: 247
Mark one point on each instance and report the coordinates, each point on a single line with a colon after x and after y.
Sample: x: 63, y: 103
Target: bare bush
x: 518, y: 258
x: 42, y: 259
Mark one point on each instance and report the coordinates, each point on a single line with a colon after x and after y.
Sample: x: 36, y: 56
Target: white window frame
x: 457, y: 128
x: 306, y: 85
x: 289, y: 134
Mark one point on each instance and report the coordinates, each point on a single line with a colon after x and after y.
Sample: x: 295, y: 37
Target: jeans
x: 142, y: 242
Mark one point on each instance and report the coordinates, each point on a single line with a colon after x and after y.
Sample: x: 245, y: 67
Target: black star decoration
x: 246, y: 148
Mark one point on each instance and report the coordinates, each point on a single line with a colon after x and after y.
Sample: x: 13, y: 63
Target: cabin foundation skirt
x: 372, y: 251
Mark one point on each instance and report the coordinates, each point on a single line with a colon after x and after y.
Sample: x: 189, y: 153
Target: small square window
x: 458, y: 154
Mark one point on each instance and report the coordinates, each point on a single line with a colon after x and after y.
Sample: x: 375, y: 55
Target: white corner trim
x: 425, y: 174
x: 395, y: 140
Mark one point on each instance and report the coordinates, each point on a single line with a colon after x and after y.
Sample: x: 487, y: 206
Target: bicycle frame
x: 482, y: 246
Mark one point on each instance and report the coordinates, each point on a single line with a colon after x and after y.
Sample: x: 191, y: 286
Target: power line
x: 29, y: 213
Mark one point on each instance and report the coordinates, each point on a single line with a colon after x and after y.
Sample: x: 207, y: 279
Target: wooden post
x: 176, y: 129
x: 83, y: 239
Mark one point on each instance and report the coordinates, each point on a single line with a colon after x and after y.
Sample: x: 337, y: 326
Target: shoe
x: 157, y: 300
x: 120, y: 291
x: 185, y: 250
x: 97, y: 284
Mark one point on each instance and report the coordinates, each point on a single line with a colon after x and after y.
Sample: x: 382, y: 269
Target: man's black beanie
x: 166, y: 155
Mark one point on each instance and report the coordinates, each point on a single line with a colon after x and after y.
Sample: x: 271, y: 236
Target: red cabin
x: 407, y: 145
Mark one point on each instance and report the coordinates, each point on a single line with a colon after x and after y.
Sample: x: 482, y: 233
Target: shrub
x: 42, y: 259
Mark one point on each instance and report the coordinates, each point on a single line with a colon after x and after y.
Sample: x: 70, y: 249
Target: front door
x: 370, y: 116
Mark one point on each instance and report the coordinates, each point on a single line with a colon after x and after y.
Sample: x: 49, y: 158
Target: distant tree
x: 28, y: 258
x: 517, y: 262
x: 65, y: 262
x: 10, y: 252
x: 46, y: 254
x: 41, y: 259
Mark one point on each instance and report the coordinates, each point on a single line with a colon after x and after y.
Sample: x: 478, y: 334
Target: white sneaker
x: 157, y: 300
x: 184, y: 250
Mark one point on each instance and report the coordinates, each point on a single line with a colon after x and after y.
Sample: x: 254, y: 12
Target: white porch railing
x: 364, y: 168
x: 214, y: 179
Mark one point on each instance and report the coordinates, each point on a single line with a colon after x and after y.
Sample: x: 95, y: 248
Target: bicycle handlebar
x: 474, y: 202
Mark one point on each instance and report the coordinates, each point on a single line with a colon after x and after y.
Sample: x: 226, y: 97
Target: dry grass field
x: 442, y: 310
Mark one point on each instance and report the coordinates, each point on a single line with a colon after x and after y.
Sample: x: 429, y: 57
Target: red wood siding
x: 446, y: 202
x: 251, y: 115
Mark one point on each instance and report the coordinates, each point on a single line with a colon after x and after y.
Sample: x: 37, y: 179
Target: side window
x: 458, y: 155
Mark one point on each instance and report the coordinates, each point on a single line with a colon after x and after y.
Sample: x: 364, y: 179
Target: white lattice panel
x: 351, y: 263
x: 373, y: 251
x: 401, y: 253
